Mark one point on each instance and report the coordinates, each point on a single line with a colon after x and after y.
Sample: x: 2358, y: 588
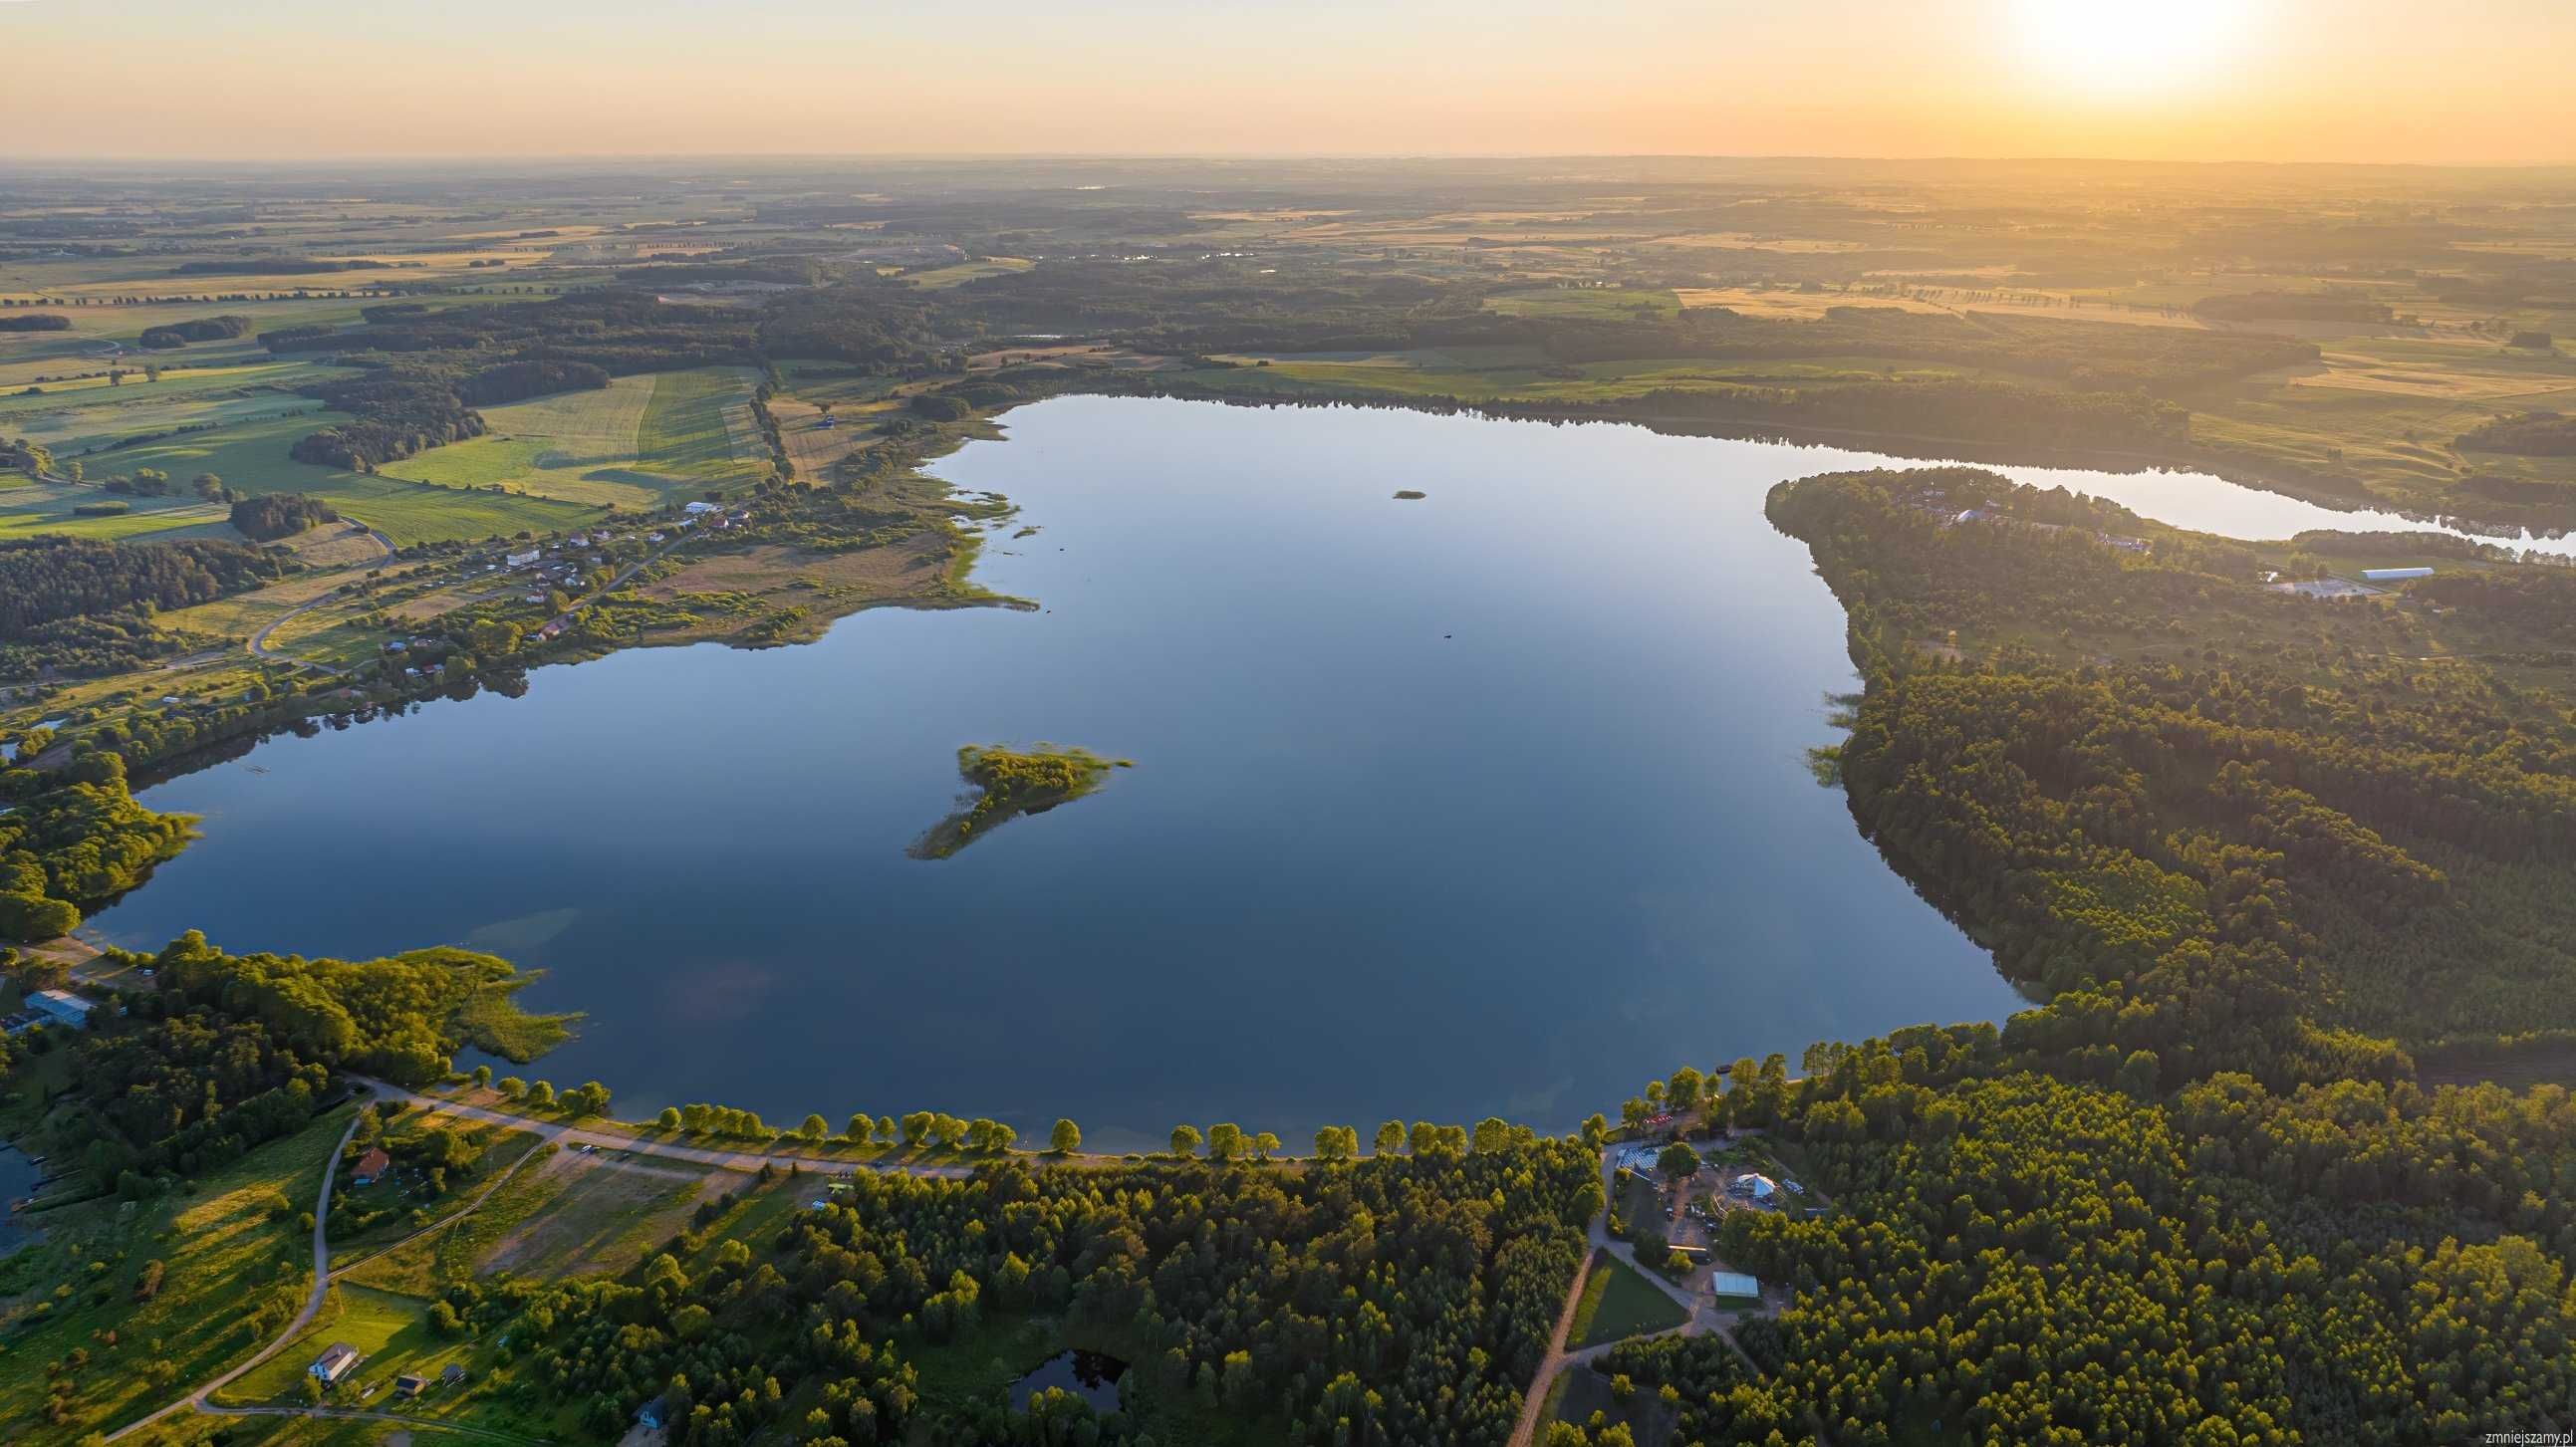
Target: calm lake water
x: 1489, y: 803
x: 1089, y: 1375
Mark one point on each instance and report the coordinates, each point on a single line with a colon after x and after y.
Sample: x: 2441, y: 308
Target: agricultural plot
x: 942, y: 277
x: 252, y: 457
x: 639, y: 442
x: 814, y: 449
x: 604, y: 1215
x: 31, y: 507
x: 1603, y: 302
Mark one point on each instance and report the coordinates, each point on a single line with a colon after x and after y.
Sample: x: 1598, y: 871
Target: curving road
x: 196, y: 1400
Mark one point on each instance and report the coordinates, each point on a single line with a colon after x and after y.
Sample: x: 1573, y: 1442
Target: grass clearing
x: 699, y: 432
x: 252, y: 457
x: 235, y: 1262
x: 603, y: 1215
x: 640, y: 442
x: 1619, y: 1303
x: 32, y: 507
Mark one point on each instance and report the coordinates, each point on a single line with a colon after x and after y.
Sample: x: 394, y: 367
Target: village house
x: 371, y: 1167
x: 337, y: 1361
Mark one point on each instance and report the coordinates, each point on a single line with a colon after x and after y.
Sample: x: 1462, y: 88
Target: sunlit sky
x: 2292, y: 80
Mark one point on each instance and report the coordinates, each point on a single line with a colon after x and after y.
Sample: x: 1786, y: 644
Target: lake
x: 1493, y: 802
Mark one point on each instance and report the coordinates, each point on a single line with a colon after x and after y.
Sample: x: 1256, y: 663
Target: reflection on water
x: 1091, y: 1376
x: 1493, y: 801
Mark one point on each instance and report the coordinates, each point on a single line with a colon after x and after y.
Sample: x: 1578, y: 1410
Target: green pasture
x: 639, y: 442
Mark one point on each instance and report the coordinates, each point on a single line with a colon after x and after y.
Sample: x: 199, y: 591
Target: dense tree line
x: 1398, y: 1300
x: 2208, y: 862
x: 2020, y: 1258
x: 43, y: 579
x: 87, y: 647
x: 73, y: 841
x: 269, y: 516
x: 517, y: 381
x: 2531, y: 434
x: 232, y: 1050
x: 35, y: 322
x: 199, y: 329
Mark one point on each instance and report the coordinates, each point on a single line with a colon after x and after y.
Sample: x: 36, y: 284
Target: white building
x: 337, y: 1361
x: 1733, y: 1283
x: 2393, y: 575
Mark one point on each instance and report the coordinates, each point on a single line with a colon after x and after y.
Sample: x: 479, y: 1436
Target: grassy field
x: 603, y: 1215
x: 252, y: 457
x: 699, y: 430
x: 30, y: 507
x: 1618, y: 1303
x: 639, y: 442
x: 575, y: 446
x: 942, y: 277
x: 235, y: 1267
x: 1605, y: 302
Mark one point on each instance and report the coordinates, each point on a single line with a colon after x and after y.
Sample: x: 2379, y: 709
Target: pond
x: 1490, y: 802
x: 1088, y: 1375
x: 19, y: 1175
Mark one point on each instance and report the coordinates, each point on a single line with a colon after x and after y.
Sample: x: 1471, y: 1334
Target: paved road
x: 196, y: 1401
x: 360, y: 1414
x: 732, y: 1160
x: 259, y: 641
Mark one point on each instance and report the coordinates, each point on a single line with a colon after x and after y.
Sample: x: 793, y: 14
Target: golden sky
x: 2293, y: 80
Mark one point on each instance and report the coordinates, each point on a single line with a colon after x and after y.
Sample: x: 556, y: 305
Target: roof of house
x: 1733, y: 1283
x: 62, y: 1000
x: 374, y: 1162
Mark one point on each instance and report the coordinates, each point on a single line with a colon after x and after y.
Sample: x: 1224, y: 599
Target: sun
x: 2131, y: 46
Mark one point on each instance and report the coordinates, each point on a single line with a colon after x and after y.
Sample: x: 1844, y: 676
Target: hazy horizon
x: 2264, y: 81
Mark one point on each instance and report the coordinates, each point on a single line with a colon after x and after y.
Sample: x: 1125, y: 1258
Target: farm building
x: 2393, y: 575
x: 1733, y: 1283
x: 408, y: 1385
x: 62, y: 1007
x: 337, y: 1361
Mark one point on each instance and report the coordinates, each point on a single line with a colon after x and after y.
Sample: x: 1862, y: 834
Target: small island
x: 1407, y: 494
x: 1010, y: 783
